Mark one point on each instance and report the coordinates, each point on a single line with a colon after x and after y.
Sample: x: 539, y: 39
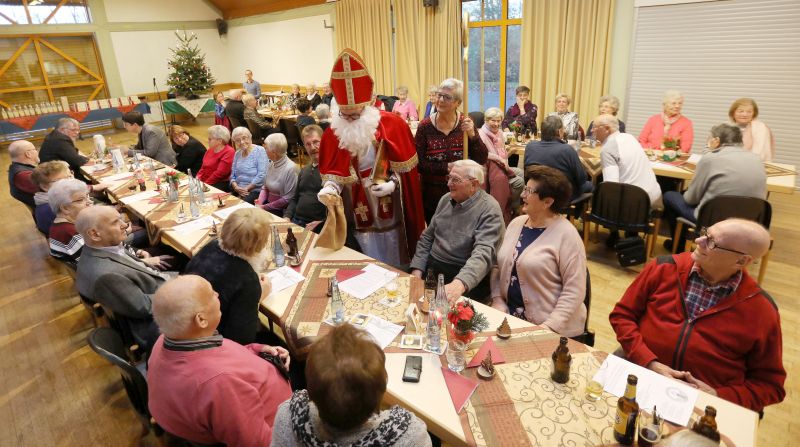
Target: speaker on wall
x: 430, y: 3
x: 222, y: 27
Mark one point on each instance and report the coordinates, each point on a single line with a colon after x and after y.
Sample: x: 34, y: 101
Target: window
x: 40, y: 12
x: 495, y: 32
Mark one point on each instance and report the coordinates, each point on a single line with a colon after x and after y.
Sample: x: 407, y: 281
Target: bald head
x: 101, y: 226
x: 184, y: 307
x: 235, y: 94
x: 744, y: 235
x: 607, y: 120
x: 23, y: 151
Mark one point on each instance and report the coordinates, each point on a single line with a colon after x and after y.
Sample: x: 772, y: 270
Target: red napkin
x: 460, y: 387
x: 155, y: 200
x: 344, y: 275
x: 488, y: 345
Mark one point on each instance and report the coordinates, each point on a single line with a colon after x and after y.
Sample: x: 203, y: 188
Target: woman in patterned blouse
x: 440, y: 142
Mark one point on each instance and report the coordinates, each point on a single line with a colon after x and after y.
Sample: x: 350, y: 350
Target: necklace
x: 436, y: 123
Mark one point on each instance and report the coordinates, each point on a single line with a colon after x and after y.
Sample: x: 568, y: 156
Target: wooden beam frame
x: 96, y: 91
x: 60, y: 4
x: 15, y: 56
x: 51, y: 86
x: 12, y: 21
x: 41, y: 65
x: 267, y: 7
x: 27, y: 11
x: 69, y: 58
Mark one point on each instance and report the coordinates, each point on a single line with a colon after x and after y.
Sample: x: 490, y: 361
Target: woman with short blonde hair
x: 756, y: 136
x: 669, y: 123
x: 570, y: 119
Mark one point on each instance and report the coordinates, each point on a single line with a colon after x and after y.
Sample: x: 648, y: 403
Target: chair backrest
x: 291, y: 132
x: 726, y: 207
x: 255, y: 131
x: 108, y: 344
x: 620, y: 206
x: 477, y: 118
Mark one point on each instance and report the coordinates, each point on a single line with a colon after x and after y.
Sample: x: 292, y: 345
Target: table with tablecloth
x: 193, y: 107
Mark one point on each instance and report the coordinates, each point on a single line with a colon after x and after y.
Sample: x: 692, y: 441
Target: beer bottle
x: 707, y: 424
x: 430, y: 290
x: 627, y: 411
x: 561, y: 362
x: 291, y: 243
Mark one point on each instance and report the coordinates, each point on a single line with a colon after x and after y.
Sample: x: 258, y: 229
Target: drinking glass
x: 392, y: 291
x: 649, y: 429
x: 456, y: 350
x: 594, y: 391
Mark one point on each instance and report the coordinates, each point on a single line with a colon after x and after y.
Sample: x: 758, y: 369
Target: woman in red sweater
x: 216, y: 169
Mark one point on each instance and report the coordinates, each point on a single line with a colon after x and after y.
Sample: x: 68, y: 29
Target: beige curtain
x: 428, y: 44
x: 566, y: 47
x: 365, y: 26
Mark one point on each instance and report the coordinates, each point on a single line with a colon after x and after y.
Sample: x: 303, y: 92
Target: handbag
x: 631, y: 251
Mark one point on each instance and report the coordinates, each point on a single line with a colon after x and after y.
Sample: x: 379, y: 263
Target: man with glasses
x: 368, y: 157
x: 462, y: 240
x: 60, y: 144
x: 701, y: 318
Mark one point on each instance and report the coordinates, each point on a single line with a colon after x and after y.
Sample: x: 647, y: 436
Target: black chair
x: 235, y: 122
x: 255, y: 131
x: 108, y: 344
x: 477, y: 118
x: 622, y: 207
x: 292, y: 133
x: 388, y: 101
x: 577, y: 206
x: 726, y: 207
x: 587, y: 337
x: 95, y: 310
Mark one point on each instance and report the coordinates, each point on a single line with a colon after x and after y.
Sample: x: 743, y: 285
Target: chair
x: 255, y: 130
x: 292, y: 134
x: 619, y: 206
x: 726, y: 207
x: 477, y: 118
x: 587, y: 337
x: 235, y: 122
x: 576, y: 206
x: 108, y: 344
x: 95, y: 310
x: 122, y: 327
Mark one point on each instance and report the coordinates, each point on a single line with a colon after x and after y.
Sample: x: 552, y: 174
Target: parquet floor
x: 55, y: 391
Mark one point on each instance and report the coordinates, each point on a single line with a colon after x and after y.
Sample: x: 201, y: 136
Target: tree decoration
x: 189, y: 75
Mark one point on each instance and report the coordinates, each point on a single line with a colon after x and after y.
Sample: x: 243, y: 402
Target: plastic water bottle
x: 436, y: 317
x: 277, y: 248
x: 337, y: 306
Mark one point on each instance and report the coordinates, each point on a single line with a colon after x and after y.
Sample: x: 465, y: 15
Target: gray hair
x: 402, y: 89
x: 247, y: 97
x: 607, y: 120
x: 277, y: 141
x: 65, y: 122
x: 454, y: 85
x: 669, y: 95
x: 471, y: 168
x: 565, y: 96
x: 550, y: 127
x: 220, y: 133
x: 727, y: 134
x: 60, y: 193
x: 432, y: 89
x: 323, y: 111
x: 492, y: 113
x: 239, y: 131
x: 235, y: 93
x: 612, y: 101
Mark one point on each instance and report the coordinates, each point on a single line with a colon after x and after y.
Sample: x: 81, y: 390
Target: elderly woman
x: 323, y: 112
x: 44, y: 176
x: 609, y: 105
x: 327, y: 94
x: 756, y: 136
x: 341, y: 405
x: 668, y: 123
x: 250, y: 165
x: 216, y: 168
x: 281, y: 179
x: 313, y: 96
x: 404, y: 106
x: 440, y: 141
x: 220, y: 118
x: 540, y: 274
x: 251, y: 114
x: 188, y: 151
x: 430, y: 106
x: 233, y: 265
x: 504, y: 182
x: 293, y: 97
x: 570, y: 119
x: 67, y: 198
x: 523, y: 111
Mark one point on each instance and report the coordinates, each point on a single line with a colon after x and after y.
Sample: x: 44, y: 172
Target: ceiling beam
x: 236, y: 9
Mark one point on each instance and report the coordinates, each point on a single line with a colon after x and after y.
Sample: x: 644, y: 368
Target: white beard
x: 357, y: 136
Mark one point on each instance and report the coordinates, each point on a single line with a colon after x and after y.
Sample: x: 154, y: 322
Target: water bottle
x: 337, y: 306
x: 194, y: 208
x: 436, y: 317
x: 277, y: 248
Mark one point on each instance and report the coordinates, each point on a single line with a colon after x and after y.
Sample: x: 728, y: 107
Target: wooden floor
x: 54, y: 390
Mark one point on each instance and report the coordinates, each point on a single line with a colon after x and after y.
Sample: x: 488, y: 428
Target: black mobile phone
x: 413, y: 368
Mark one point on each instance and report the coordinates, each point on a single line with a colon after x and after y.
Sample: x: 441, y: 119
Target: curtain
x: 566, y: 47
x: 428, y: 42
x: 365, y: 26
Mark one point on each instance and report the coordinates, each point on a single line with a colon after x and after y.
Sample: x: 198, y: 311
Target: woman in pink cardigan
x: 540, y: 274
x: 756, y: 136
x: 669, y: 122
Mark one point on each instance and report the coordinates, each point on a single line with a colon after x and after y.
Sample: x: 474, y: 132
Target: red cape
x: 335, y: 165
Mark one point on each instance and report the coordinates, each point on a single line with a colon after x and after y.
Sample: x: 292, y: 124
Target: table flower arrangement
x: 466, y: 321
x: 670, y: 146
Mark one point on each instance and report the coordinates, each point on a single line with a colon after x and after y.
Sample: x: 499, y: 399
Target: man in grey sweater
x: 726, y: 170
x: 462, y: 239
x: 152, y: 141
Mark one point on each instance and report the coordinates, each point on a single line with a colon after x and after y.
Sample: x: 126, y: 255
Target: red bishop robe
x: 338, y: 165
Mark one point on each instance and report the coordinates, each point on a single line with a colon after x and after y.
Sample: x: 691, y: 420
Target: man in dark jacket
x: 234, y: 109
x: 60, y: 145
x: 24, y: 158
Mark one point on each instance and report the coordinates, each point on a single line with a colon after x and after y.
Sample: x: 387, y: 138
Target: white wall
x: 158, y: 10
x: 143, y: 55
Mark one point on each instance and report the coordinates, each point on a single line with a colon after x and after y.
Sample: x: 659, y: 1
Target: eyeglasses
x: 712, y: 244
x: 444, y: 97
x: 528, y: 191
x: 456, y: 180
x: 85, y: 199
x: 350, y: 116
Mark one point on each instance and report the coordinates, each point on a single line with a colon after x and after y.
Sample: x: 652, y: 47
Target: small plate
x: 503, y: 336
x: 483, y: 374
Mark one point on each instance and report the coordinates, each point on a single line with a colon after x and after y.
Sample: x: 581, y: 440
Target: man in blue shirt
x: 252, y: 86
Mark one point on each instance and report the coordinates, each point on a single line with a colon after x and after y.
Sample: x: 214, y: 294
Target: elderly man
x: 701, y: 318
x: 304, y: 209
x: 553, y: 152
x: 384, y: 205
x: 250, y: 85
x: 119, y: 278
x: 152, y: 141
x: 327, y: 94
x: 24, y: 158
x: 60, y: 144
x: 726, y: 170
x: 234, y: 109
x: 462, y: 239
x: 202, y: 387
x: 623, y: 158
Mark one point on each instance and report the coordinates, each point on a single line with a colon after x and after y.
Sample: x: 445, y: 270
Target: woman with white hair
x: 294, y: 96
x: 313, y: 96
x: 251, y: 114
x: 281, y: 179
x: 404, y: 106
x: 323, y: 112
x: 609, y: 105
x: 216, y: 169
x: 67, y: 198
x: 250, y: 165
x: 570, y: 119
x: 440, y: 141
x: 430, y: 107
x: 669, y: 123
x: 504, y: 182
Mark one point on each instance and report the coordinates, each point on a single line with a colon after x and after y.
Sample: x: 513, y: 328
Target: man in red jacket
x: 699, y: 317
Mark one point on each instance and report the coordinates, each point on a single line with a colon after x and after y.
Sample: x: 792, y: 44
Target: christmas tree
x: 189, y: 74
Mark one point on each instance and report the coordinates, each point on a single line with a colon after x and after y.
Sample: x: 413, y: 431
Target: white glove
x: 327, y: 190
x: 383, y: 189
